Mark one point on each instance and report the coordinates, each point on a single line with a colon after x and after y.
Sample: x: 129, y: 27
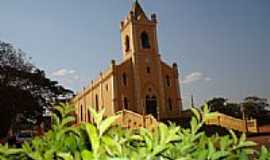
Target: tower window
x: 97, y: 103
x: 148, y: 70
x: 170, y: 104
x: 168, y: 81
x: 125, y: 102
x: 124, y: 76
x: 145, y: 40
x: 127, y: 44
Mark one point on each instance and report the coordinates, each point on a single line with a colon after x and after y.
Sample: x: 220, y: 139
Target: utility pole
x: 242, y: 108
x: 192, y: 101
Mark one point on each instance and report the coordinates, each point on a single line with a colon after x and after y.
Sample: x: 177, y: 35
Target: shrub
x: 105, y: 140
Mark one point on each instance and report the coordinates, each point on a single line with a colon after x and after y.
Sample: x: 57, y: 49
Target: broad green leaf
x: 87, y: 155
x: 65, y: 156
x: 159, y: 149
x: 113, y: 147
x: 242, y: 138
x: 220, y: 155
x: 196, y: 113
x: 105, y: 124
x: 205, y: 108
x: 97, y: 116
x: 163, y: 133
x: 93, y: 136
x: 14, y: 151
x: 147, y: 138
x: 225, y: 142
x: 264, y: 154
x: 194, y: 125
x: 235, y: 139
x: 246, y: 144
x: 67, y: 120
x: 211, y: 149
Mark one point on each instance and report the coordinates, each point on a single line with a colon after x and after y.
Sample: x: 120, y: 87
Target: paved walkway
x: 261, y: 140
x: 264, y: 138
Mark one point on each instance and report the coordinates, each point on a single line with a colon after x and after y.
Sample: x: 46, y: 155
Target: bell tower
x: 138, y: 33
x: 140, y: 45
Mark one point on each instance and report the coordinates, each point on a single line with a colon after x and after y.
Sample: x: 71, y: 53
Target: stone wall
x: 129, y: 119
x: 233, y: 123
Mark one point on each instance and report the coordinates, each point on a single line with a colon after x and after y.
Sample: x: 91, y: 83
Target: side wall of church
x: 172, y: 106
x: 98, y: 95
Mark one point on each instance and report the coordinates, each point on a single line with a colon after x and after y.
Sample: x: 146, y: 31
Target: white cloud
x: 66, y: 77
x: 194, y: 77
x: 63, y: 72
x: 71, y: 71
x: 59, y: 73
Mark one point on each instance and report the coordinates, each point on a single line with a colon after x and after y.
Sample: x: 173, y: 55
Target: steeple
x: 138, y: 34
x: 137, y: 9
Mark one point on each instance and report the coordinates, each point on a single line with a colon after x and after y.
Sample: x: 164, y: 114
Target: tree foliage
x: 255, y: 107
x: 251, y: 107
x: 104, y: 140
x: 23, y: 87
x: 222, y: 105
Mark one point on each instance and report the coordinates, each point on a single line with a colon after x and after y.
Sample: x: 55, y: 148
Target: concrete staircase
x: 129, y: 119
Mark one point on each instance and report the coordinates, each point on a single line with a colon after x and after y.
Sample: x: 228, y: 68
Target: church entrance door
x: 151, y: 105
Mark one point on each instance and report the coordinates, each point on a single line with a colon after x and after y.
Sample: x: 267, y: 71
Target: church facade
x: 141, y: 83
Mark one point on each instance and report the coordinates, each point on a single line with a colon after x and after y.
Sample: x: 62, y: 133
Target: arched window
x: 124, y: 76
x: 168, y: 81
x: 97, y: 103
x: 145, y: 40
x: 89, y: 116
x: 127, y: 44
x: 148, y: 70
x: 170, y: 103
x: 125, y: 102
x: 81, y: 113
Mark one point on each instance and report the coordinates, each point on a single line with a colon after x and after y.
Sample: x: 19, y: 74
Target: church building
x: 141, y: 83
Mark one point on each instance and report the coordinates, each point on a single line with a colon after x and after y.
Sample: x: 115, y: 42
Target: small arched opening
x: 97, y: 104
x: 145, y: 40
x: 125, y: 103
x: 81, y: 113
x: 124, y: 77
x: 127, y: 44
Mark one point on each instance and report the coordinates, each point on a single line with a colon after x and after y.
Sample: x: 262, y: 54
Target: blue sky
x: 222, y: 47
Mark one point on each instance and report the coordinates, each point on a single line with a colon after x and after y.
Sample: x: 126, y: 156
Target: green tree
x: 217, y: 104
x: 255, y: 107
x: 220, y: 104
x: 233, y: 109
x: 24, y: 89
